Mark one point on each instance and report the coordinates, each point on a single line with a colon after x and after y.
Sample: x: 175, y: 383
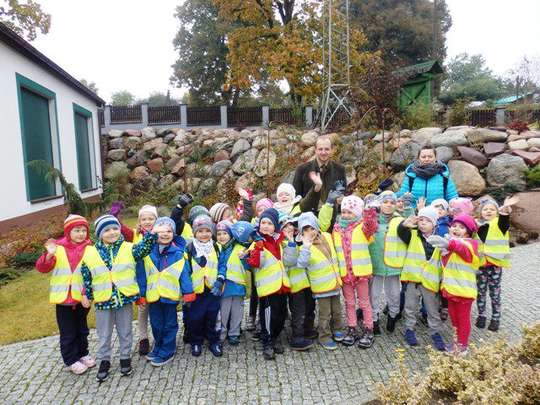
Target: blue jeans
x: 202, y: 318
x: 164, y: 322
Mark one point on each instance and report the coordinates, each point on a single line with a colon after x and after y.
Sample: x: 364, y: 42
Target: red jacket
x: 273, y: 246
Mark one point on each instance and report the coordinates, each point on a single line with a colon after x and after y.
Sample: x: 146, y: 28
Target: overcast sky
x: 127, y: 44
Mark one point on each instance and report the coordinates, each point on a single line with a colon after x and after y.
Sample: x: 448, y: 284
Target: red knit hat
x: 73, y: 221
x: 467, y: 221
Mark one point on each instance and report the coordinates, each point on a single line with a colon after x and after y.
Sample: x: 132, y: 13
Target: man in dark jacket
x: 314, y: 179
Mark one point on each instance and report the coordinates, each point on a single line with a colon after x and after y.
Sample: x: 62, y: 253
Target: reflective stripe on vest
x: 164, y: 283
x: 415, y: 259
x: 395, y: 250
x: 235, y: 269
x: 459, y: 277
x: 122, y: 274
x: 323, y: 273
x: 204, y: 275
x: 63, y: 279
x: 271, y: 275
x: 431, y: 274
x: 360, y: 258
x: 496, y: 248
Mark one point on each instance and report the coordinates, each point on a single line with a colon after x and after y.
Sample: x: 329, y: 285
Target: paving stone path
x: 32, y: 372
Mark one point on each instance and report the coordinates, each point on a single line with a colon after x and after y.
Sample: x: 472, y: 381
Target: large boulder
x: 221, y: 154
x: 148, y: 133
x: 452, y: 137
x: 116, y: 143
x: 533, y: 142
x: 139, y: 173
x: 472, y: 156
x: 309, y: 138
x: 115, y: 133
x: 116, y: 169
x: 219, y: 168
x: 132, y: 142
x: 240, y: 146
x: 404, y: 155
x: 483, y: 135
x: 155, y: 165
x: 467, y: 178
x: 526, y: 213
x: 520, y: 144
x: 245, y: 162
x: 179, y: 168
x: 133, y: 132
x: 494, y: 148
x: 153, y: 144
x: 261, y: 141
x: 265, y: 163
x: 423, y: 136
x: 117, y: 154
x: 506, y: 169
x: 444, y: 153
x: 531, y: 157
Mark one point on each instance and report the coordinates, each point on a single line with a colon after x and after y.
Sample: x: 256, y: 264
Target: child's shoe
x: 366, y: 340
x: 144, y: 347
x: 216, y: 350
x: 78, y: 368
x: 438, y: 342
x: 350, y: 336
x: 158, y: 361
x: 196, y: 350
x: 151, y: 356
x: 456, y: 349
x: 256, y: 335
x: 103, y: 372
x: 88, y: 361
x: 311, y: 334
x: 480, y: 322
x: 493, y: 325
x: 251, y: 325
x: 300, y: 344
x: 339, y: 336
x: 444, y: 314
x: 376, y: 328
x: 390, y: 324
x: 268, y: 353
x: 125, y: 367
x: 410, y: 337
x: 278, y: 347
x: 234, y: 340
x: 329, y: 345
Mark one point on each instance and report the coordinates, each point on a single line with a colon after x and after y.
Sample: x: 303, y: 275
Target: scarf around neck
x: 426, y: 172
x: 203, y: 248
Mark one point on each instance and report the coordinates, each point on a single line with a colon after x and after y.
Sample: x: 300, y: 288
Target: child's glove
x: 201, y: 261
x: 333, y: 195
x: 189, y: 298
x: 116, y: 208
x: 217, y: 288
x: 184, y: 200
x: 438, y: 241
x: 370, y: 222
x: 141, y: 301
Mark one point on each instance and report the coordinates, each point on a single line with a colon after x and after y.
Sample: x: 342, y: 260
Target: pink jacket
x: 457, y: 246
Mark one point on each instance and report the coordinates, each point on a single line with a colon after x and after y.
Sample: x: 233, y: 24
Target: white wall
x: 14, y: 202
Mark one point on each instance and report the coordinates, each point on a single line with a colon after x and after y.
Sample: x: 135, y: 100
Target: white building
x: 45, y: 114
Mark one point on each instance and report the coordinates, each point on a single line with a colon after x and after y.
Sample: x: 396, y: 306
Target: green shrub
x: 533, y: 176
x: 458, y: 113
x: 417, y: 115
x: 25, y: 259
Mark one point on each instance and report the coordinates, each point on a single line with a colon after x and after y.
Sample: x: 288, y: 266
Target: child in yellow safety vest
x: 494, y: 224
x: 318, y: 256
x: 455, y: 260
x: 108, y: 271
x: 63, y: 257
x: 352, y: 234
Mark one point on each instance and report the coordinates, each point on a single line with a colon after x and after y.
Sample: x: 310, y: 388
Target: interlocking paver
x: 32, y: 372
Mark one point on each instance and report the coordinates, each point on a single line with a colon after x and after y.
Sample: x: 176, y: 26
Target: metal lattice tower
x: 336, y: 62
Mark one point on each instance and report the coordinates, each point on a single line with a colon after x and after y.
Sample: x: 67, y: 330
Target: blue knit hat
x: 224, y: 226
x: 273, y: 215
x: 166, y: 221
x: 241, y: 231
x: 104, y: 223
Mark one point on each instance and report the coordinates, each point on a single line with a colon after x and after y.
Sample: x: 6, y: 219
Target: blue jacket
x: 430, y: 189
x: 171, y: 254
x: 232, y: 289
x: 443, y: 225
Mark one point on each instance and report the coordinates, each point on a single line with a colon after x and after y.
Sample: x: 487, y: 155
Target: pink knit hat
x: 264, y: 203
x: 467, y: 221
x: 354, y: 204
x: 461, y: 205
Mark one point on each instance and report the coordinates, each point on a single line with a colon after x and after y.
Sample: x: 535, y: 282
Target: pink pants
x: 460, y: 315
x: 359, y: 290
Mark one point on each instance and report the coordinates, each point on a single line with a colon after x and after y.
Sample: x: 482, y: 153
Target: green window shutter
x: 36, y: 135
x: 83, y: 152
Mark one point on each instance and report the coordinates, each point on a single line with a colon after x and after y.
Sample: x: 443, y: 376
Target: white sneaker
x: 78, y: 368
x: 88, y: 361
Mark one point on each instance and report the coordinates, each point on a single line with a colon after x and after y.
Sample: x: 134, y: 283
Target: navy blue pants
x: 73, y: 332
x: 202, y: 319
x: 164, y: 323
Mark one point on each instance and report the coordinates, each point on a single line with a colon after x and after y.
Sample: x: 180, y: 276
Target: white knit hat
x: 150, y: 209
x: 430, y: 213
x: 287, y: 189
x: 440, y: 201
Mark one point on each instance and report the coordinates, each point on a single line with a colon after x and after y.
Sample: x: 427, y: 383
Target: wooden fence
x: 164, y: 115
x: 197, y: 116
x: 124, y: 114
x: 527, y: 115
x: 287, y: 116
x: 486, y: 117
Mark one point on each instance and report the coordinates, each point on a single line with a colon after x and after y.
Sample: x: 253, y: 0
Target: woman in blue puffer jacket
x: 428, y: 178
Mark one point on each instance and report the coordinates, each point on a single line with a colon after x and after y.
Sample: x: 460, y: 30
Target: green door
x: 83, y: 152
x: 37, y: 142
x: 413, y: 93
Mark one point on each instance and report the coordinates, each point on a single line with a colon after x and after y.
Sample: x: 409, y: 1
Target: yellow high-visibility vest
x: 206, y: 275
x: 164, y: 283
x: 415, y: 260
x: 122, y: 274
x: 360, y: 258
x: 63, y: 279
x: 187, y: 232
x: 271, y: 275
x: 459, y: 277
x: 395, y: 250
x: 298, y: 278
x: 496, y: 248
x: 235, y: 269
x: 137, y: 236
x: 323, y: 273
x: 432, y: 271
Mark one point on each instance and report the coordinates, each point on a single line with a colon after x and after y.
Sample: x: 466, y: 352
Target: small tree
x: 122, y: 97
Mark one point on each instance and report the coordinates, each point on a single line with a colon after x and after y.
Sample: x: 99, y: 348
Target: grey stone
x: 454, y: 137
x: 506, y: 169
x: 265, y: 163
x: 219, y: 168
x: 116, y: 169
x: 404, y: 155
x: 473, y: 156
x: 467, y: 178
x: 245, y: 162
x: 309, y: 138
x: 483, y: 135
x: 423, y: 136
x: 117, y: 154
x: 169, y: 137
x: 115, y: 133
x: 207, y: 186
x: 240, y: 146
x: 444, y: 153
x: 148, y: 133
x: 116, y: 143
x: 132, y: 142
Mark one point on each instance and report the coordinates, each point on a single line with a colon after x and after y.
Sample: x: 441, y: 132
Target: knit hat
x: 308, y: 219
x: 487, y: 201
x: 287, y: 189
x: 217, y: 210
x: 73, y: 221
x: 264, y: 203
x: 430, y: 213
x: 195, y: 211
x: 387, y: 195
x: 440, y: 201
x: 354, y: 204
x: 224, y: 226
x: 104, y: 223
x: 202, y: 222
x: 149, y: 209
x: 467, y: 221
x: 461, y: 205
x: 273, y: 215
x: 166, y: 221
x: 241, y: 231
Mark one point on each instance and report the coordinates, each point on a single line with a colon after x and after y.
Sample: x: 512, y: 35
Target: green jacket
x: 376, y: 250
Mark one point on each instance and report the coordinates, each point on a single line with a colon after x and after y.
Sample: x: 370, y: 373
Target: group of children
x: 437, y: 260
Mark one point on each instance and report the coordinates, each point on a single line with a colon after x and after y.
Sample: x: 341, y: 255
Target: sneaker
x: 300, y: 344
x: 311, y: 334
x: 103, y: 371
x: 278, y: 347
x: 268, y: 353
x: 158, y: 361
x: 444, y: 314
x: 151, y: 356
x: 455, y: 349
x: 410, y: 337
x: 376, y: 328
x: 256, y: 336
x: 366, y: 340
x: 480, y: 322
x: 350, y: 336
x: 78, y: 368
x: 216, y: 350
x: 338, y: 336
x: 438, y: 342
x: 125, y: 367
x: 329, y: 345
x: 196, y: 350
x: 234, y: 340
x: 390, y: 324
x: 88, y: 361
x: 251, y: 325
x: 144, y: 347
x: 493, y: 325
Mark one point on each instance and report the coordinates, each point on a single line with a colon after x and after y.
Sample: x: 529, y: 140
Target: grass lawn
x: 25, y: 310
